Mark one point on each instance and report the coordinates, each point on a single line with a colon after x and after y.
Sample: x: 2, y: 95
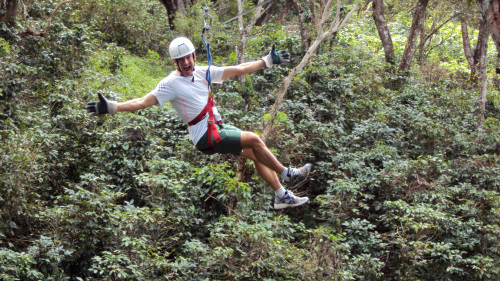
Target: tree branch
x: 466, y: 41
x: 49, y: 20
x: 285, y: 84
x: 45, y: 31
x: 326, y: 12
x: 435, y: 29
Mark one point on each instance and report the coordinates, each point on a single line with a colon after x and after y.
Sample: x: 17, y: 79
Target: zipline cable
x: 204, y: 32
x: 212, y: 121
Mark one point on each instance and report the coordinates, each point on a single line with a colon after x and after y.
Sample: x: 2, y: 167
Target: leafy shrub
x: 138, y: 26
x: 4, y: 47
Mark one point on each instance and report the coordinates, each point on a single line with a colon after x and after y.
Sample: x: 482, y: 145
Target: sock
x: 286, y: 173
x: 280, y: 192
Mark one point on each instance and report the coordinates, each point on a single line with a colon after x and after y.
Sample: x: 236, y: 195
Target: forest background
x: 396, y: 106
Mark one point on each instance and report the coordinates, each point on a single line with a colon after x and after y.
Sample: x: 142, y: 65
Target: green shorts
x: 231, y: 141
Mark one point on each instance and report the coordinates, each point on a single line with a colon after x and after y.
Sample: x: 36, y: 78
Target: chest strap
x: 212, y: 123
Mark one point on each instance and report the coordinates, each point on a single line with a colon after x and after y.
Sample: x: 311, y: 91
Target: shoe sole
x: 284, y: 206
x: 300, y: 183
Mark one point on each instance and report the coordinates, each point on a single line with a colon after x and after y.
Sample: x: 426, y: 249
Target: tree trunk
x: 266, y: 16
x: 483, y: 90
x: 283, y: 12
x: 482, y: 38
x: 416, y: 26
x: 383, y: 30
x: 303, y: 32
x: 244, y: 30
x: 8, y: 10
x: 422, y: 41
x: 474, y: 58
x: 172, y: 7
x: 481, y: 53
x: 312, y: 10
x: 493, y: 18
x: 466, y: 41
x: 240, y: 48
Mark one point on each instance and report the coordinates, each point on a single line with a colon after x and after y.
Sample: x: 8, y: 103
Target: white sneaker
x: 297, y: 176
x: 289, y: 200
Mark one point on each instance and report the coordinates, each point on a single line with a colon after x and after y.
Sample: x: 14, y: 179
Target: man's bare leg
x: 267, y: 166
x: 268, y: 175
x: 292, y: 177
x: 260, y: 152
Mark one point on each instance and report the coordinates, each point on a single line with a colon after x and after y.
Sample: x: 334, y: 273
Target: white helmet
x: 180, y: 47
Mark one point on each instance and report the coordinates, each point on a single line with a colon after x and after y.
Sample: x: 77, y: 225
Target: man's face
x: 186, y: 64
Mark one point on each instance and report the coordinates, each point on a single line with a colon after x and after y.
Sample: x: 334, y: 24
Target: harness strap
x: 212, y: 123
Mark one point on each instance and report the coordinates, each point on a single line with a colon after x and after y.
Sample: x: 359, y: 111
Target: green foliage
x: 117, y: 71
x: 4, y: 47
x: 18, y: 266
x: 238, y: 248
x: 138, y: 26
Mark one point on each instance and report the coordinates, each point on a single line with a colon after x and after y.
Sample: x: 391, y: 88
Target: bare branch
x: 53, y: 14
x: 326, y: 12
x: 336, y: 27
x: 285, y: 84
x: 45, y: 31
x: 256, y: 15
x: 435, y: 29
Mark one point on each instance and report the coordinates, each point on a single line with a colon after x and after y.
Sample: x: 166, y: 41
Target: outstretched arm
x: 104, y: 106
x: 137, y: 104
x: 241, y: 69
x: 274, y: 57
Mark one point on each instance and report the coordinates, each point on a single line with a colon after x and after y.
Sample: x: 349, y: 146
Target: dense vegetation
x: 402, y: 187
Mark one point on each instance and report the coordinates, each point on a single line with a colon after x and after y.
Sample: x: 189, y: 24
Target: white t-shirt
x: 189, y: 97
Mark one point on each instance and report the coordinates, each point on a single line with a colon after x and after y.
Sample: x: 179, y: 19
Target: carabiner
x: 206, y: 15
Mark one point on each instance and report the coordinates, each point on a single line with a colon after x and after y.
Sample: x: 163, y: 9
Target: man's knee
x: 248, y: 154
x: 250, y: 139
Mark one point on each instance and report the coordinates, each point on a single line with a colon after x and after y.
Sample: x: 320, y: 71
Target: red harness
x: 212, y: 123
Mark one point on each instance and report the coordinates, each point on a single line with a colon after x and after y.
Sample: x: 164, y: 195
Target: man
x: 188, y: 92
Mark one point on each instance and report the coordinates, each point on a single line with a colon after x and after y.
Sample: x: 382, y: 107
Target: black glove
x: 103, y: 106
x: 275, y: 57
